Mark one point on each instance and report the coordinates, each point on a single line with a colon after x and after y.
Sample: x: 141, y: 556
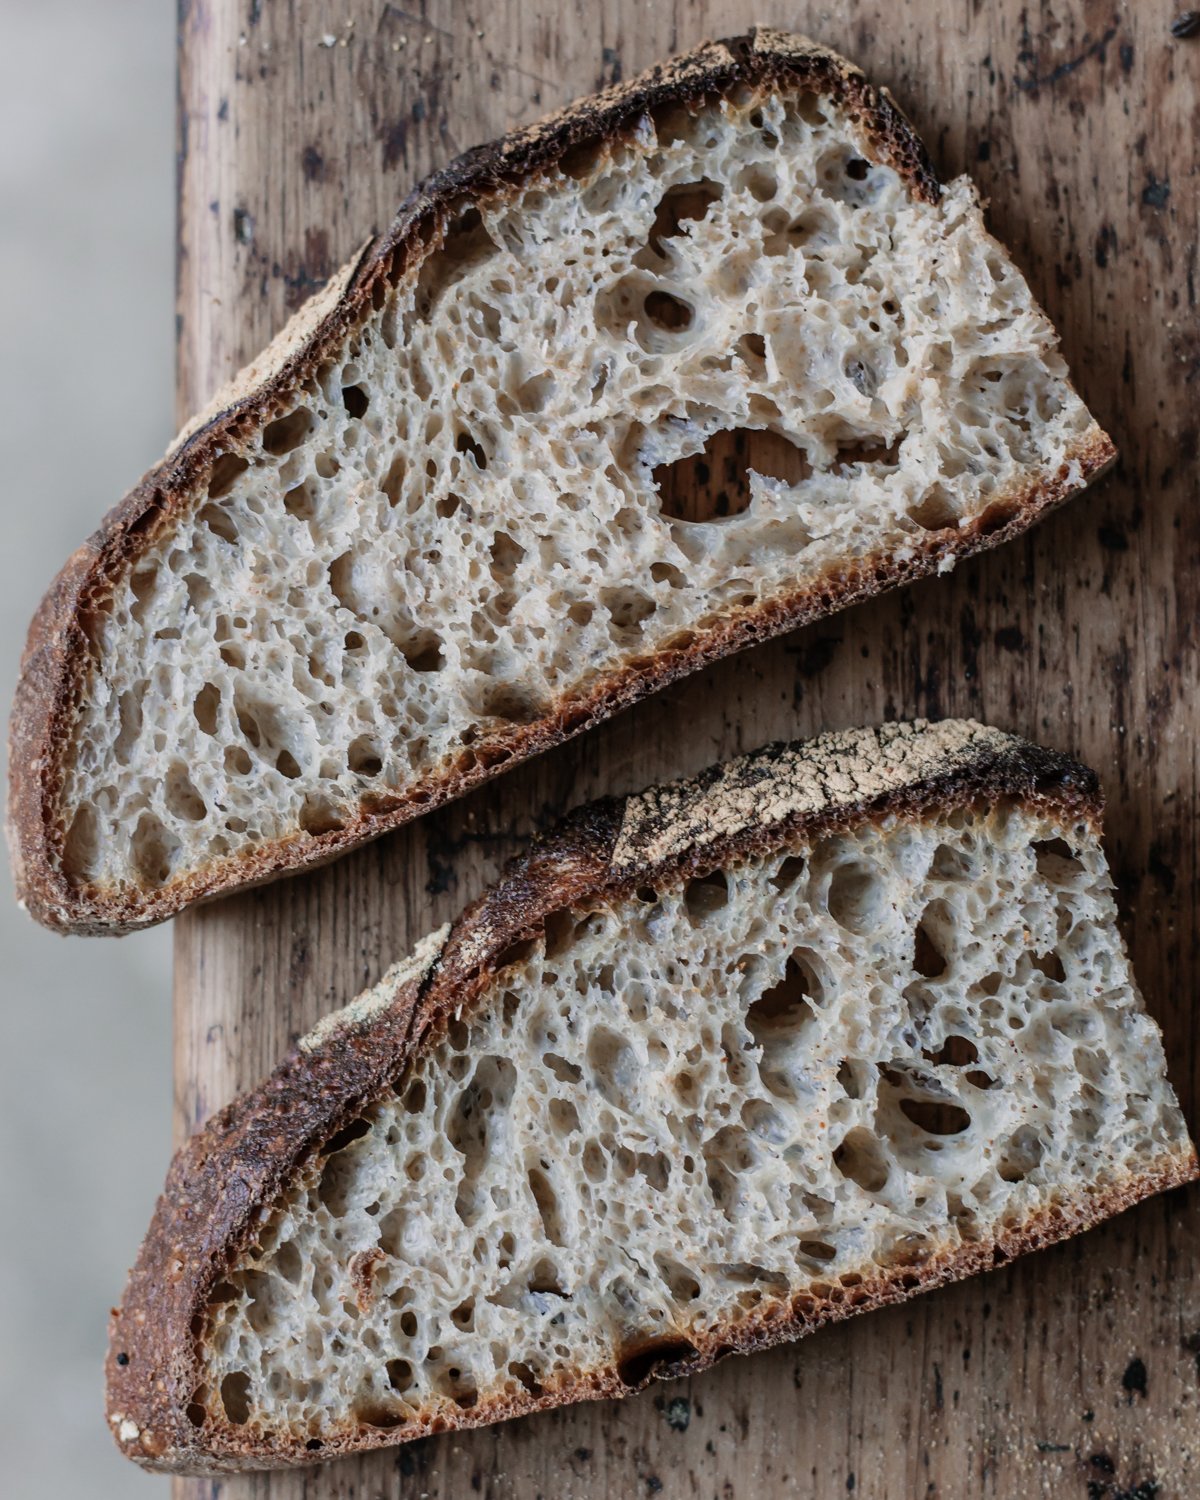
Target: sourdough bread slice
x: 489, y: 487
x: 709, y: 1067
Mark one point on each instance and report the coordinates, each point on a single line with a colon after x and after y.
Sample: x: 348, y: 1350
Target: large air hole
x: 526, y: 1376
x: 513, y: 703
x: 287, y: 765
x: 667, y: 312
x: 1051, y: 966
x: 534, y: 395
x: 998, y: 515
x: 423, y: 651
x: 81, y: 848
x: 861, y: 1158
x: 788, y: 873
x: 465, y: 443
x: 129, y: 709
x: 652, y: 314
x: 935, y: 510
x: 559, y: 927
x: 506, y: 554
x: 337, y: 1176
x: 153, y: 848
x: 655, y: 1167
x: 726, y: 1155
x: 936, y: 1117
x: 219, y: 522
x: 289, y: 1262
x: 955, y: 1052
x: 707, y: 895
x: 371, y: 1413
x: 515, y: 953
x: 759, y: 180
x: 685, y: 202
x: 546, y: 1280
x: 853, y: 456
x: 765, y: 1121
x: 1056, y: 862
x: 465, y: 243
x: 143, y: 583
x: 364, y: 757
x: 225, y: 471
x: 356, y: 400
x: 547, y: 1206
x: 205, y: 705
x: 564, y: 1117
x: 681, y: 1283
x: 399, y: 1374
x: 627, y: 607
x: 1020, y: 1154
x: 927, y: 957
x: 181, y: 796
x: 951, y: 864
x: 715, y: 484
x: 814, y: 226
x: 784, y: 1012
x: 753, y: 349
x: 286, y: 433
x: 341, y: 581
x: 235, y: 1397
x: 808, y: 108
x: 487, y: 1095
x: 845, y: 177
x: 393, y: 480
x: 581, y: 160
x: 664, y: 1359
x: 858, y: 897
x: 319, y: 815
x: 459, y: 1385
x: 564, y: 1071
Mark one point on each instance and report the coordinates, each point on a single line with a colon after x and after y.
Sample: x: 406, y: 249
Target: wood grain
x: 301, y: 127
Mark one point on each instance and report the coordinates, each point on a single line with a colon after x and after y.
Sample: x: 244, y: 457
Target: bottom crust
x: 674, y: 1356
x: 105, y: 911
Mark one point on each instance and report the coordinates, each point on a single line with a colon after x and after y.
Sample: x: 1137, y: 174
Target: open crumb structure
x: 700, y: 1110
x: 718, y: 364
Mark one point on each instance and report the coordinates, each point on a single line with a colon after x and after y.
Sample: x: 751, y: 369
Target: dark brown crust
x: 57, y: 654
x: 224, y: 1181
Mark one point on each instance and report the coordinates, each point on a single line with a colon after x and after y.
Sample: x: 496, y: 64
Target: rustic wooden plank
x: 302, y: 126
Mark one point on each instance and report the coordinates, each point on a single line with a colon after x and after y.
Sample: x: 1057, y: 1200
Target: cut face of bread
x: 707, y: 1069
x: 690, y: 364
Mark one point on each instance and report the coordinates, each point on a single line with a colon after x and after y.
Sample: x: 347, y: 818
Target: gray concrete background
x: 87, y: 99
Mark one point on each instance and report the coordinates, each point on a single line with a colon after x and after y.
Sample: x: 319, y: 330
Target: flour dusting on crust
x: 765, y: 788
x: 359, y: 1013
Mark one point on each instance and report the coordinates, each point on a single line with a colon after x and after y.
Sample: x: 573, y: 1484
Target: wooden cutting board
x: 1074, y: 1371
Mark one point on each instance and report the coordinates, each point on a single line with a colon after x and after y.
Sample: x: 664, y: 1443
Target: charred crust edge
x: 222, y: 1183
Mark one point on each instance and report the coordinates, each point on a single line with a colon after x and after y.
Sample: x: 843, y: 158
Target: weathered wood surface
x: 302, y: 127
